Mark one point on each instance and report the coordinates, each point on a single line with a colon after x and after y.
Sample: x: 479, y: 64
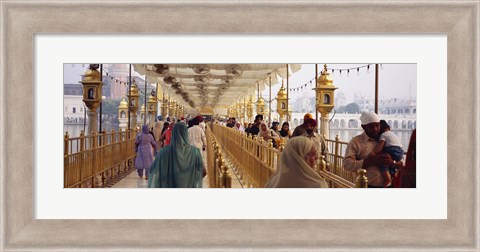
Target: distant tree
x: 110, y: 107
x: 352, y: 108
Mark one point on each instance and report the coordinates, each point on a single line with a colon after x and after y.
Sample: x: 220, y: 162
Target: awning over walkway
x: 213, y: 85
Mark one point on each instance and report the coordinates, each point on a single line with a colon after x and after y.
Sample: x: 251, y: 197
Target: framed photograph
x: 22, y: 22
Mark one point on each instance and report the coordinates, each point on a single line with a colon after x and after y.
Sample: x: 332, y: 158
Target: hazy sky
x: 395, y: 80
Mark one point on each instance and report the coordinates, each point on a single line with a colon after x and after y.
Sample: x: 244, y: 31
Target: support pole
x: 376, y: 89
x: 270, y: 102
x: 288, y: 116
x: 316, y: 79
x: 101, y: 100
x: 129, y: 93
x: 145, y: 99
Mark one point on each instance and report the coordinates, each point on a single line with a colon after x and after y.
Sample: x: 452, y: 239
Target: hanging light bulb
x: 381, y: 66
x: 348, y: 72
x: 358, y: 71
x: 368, y: 69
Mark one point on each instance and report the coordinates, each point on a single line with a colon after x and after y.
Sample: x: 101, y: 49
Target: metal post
x: 288, y: 118
x: 101, y: 101
x: 145, y: 98
x: 84, y: 117
x: 376, y: 89
x: 129, y: 94
x: 316, y: 111
x: 270, y: 101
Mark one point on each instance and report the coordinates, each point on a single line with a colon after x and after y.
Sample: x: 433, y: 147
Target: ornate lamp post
x: 122, y: 115
x: 171, y: 106
x: 152, y: 110
x: 325, y: 99
x: 239, y: 110
x: 260, y: 105
x: 164, y: 107
x: 92, y: 94
x: 142, y: 116
x: 282, y: 103
x: 133, y: 105
x: 250, y: 109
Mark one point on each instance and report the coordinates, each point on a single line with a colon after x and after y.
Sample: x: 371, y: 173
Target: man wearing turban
x: 357, y: 155
x: 308, y: 129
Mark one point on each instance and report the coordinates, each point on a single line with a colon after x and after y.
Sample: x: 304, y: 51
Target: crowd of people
x: 172, y: 153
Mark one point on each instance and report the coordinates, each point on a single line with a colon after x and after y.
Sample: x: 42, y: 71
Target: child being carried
x: 393, y: 147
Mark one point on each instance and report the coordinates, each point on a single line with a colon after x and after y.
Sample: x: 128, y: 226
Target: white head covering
x: 369, y: 117
x: 293, y: 171
x: 263, y: 133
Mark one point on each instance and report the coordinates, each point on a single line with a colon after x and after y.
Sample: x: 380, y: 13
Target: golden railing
x: 335, y: 159
x: 96, y: 159
x: 217, y: 169
x: 255, y: 161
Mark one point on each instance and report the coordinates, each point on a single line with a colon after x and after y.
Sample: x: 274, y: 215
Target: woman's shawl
x: 157, y: 130
x: 178, y: 165
x: 293, y: 171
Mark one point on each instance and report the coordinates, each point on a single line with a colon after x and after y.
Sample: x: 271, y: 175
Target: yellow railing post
x: 94, y: 143
x: 336, y: 154
x: 218, y: 168
x: 83, y: 155
x: 65, y: 158
x: 362, y: 180
x: 270, y: 153
x: 226, y: 178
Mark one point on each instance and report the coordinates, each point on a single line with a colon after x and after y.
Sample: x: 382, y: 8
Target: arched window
x: 410, y: 124
x: 390, y: 123
x: 74, y: 110
x: 335, y: 123
x: 90, y: 93
x: 414, y: 110
x: 342, y: 123
x: 122, y: 114
x: 352, y: 123
x: 295, y: 122
x: 326, y: 99
x: 283, y: 105
x: 395, y: 124
x: 404, y: 124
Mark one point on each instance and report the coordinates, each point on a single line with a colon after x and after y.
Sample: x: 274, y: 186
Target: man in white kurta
x: 196, y: 136
x: 357, y: 155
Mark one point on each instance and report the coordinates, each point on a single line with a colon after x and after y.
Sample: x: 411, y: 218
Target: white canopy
x: 213, y: 85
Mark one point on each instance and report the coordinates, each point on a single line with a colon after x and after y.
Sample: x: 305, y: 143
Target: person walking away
x: 196, y: 136
x: 178, y: 165
x: 166, y: 136
x: 157, y: 133
x: 143, y: 146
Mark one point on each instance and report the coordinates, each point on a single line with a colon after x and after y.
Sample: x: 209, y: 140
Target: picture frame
x: 22, y: 20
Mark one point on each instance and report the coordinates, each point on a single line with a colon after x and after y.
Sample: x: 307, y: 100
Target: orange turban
x: 307, y: 115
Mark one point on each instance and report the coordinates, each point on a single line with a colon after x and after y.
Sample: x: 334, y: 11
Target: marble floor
x: 132, y: 180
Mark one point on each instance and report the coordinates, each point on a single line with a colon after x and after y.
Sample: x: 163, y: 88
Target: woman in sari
x: 178, y: 165
x: 143, y: 146
x: 296, y: 166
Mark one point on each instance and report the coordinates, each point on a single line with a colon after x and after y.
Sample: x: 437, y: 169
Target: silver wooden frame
x: 20, y: 21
